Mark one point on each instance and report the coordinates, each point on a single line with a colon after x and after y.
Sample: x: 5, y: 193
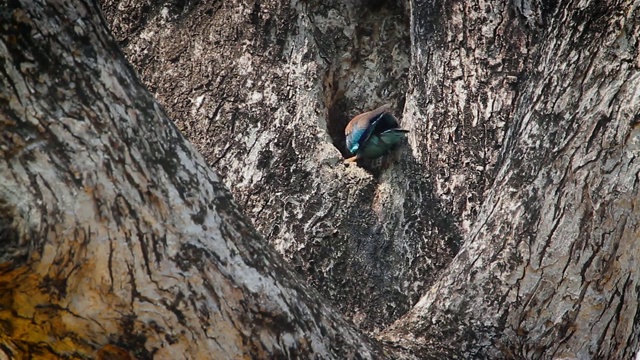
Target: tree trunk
x: 264, y: 89
x: 535, y: 68
x: 115, y: 234
x: 550, y: 268
x: 523, y: 147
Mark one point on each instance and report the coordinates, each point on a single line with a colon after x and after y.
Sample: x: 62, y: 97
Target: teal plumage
x: 372, y: 134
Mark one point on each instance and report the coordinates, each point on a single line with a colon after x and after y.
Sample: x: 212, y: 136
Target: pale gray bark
x: 115, y: 235
x: 550, y: 268
x: 539, y: 69
x: 546, y: 210
x: 264, y: 89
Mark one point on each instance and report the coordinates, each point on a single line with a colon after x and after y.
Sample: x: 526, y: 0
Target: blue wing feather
x: 361, y: 127
x: 353, y: 139
x: 368, y: 130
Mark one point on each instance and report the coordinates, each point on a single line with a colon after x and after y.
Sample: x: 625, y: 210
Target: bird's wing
x: 353, y: 135
x: 362, y: 126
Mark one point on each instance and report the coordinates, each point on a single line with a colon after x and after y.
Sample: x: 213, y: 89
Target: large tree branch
x: 550, y: 268
x: 114, y: 230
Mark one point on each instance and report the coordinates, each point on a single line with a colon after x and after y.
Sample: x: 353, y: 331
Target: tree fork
x: 115, y: 232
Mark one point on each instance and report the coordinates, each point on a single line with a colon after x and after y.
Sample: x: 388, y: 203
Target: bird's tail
x: 393, y: 136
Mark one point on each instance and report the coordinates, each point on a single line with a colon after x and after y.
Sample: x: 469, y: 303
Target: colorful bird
x: 372, y: 134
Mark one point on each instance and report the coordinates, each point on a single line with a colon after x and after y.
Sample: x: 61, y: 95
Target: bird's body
x: 372, y: 134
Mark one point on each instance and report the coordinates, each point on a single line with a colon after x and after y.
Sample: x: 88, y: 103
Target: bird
x: 372, y: 134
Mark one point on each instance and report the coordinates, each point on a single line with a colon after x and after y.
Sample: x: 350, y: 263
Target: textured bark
x: 115, y: 235
x: 541, y: 274
x: 550, y: 268
x: 264, y: 89
x: 115, y: 232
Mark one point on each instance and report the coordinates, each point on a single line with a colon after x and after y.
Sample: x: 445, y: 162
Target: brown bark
x: 476, y: 70
x: 116, y: 236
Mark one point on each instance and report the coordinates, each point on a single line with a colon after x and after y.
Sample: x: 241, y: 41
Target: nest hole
x: 337, y: 120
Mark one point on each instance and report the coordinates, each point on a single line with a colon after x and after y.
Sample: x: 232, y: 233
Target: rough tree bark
x: 114, y: 232
x: 549, y: 265
x: 560, y: 78
x: 264, y: 89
